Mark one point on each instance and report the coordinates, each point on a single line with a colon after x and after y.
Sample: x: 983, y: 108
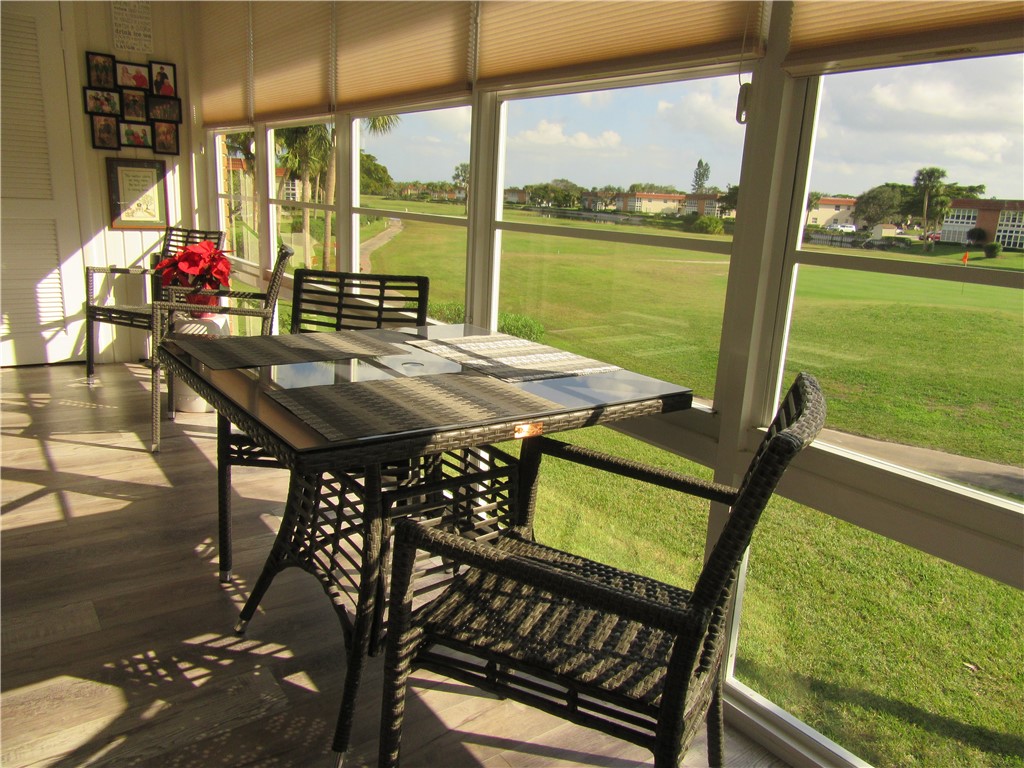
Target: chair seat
x: 535, y: 628
x: 135, y: 315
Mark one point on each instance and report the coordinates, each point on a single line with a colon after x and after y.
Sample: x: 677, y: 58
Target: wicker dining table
x: 372, y: 423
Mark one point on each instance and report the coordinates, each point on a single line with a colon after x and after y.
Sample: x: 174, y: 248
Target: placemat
x: 371, y: 408
x: 251, y: 351
x: 513, y: 359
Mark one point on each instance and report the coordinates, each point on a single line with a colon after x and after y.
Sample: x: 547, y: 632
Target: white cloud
x: 547, y: 133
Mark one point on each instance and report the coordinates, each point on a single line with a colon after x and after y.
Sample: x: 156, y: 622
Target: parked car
x: 933, y: 236
x: 841, y: 228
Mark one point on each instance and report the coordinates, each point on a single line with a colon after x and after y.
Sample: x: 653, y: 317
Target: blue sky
x: 877, y: 126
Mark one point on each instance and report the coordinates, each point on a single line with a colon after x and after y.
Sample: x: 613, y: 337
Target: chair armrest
x: 655, y: 475
x: 176, y: 294
x: 487, y: 557
x: 90, y: 293
x: 120, y: 271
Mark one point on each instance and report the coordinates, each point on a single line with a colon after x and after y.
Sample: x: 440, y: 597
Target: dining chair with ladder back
x: 321, y: 301
x: 259, y: 304
x: 595, y: 645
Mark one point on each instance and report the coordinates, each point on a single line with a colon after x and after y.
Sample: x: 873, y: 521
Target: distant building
x: 1002, y: 220
x: 516, y: 196
x: 703, y: 204
x: 648, y: 202
x: 832, y: 210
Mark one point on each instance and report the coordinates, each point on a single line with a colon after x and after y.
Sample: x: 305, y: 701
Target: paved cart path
x: 367, y: 248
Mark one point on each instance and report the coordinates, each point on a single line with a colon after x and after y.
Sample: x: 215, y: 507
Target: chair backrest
x: 176, y: 238
x: 284, y: 253
x: 797, y: 422
x: 334, y: 301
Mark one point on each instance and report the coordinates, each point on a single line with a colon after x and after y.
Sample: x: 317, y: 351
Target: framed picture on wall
x: 137, y: 191
x: 133, y: 105
x: 165, y: 108
x: 99, y: 101
x: 100, y: 67
x: 163, y: 79
x: 132, y: 75
x: 136, y: 135
x: 165, y: 138
x: 104, y: 132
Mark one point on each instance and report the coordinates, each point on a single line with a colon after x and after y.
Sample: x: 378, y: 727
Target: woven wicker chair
x: 261, y: 304
x: 136, y: 315
x: 322, y: 301
x: 621, y: 653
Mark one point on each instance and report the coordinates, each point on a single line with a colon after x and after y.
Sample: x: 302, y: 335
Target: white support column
x: 483, y: 241
x: 346, y: 194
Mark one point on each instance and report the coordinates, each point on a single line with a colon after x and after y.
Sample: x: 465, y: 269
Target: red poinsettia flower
x: 201, y: 265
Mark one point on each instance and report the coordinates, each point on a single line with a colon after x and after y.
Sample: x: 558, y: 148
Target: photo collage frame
x: 132, y: 105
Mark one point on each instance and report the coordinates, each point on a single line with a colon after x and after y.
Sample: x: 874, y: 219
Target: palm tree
x: 928, y: 183
x: 377, y: 125
x: 307, y: 152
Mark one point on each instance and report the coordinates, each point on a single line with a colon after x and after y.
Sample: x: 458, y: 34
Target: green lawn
x: 900, y: 657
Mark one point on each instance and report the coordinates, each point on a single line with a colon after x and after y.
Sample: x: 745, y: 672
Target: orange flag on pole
x: 964, y: 259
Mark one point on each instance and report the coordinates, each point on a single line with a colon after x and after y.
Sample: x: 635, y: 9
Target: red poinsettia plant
x: 199, y: 265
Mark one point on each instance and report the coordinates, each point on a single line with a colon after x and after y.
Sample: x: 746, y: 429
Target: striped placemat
x: 513, y: 359
x: 370, y: 408
x: 252, y: 351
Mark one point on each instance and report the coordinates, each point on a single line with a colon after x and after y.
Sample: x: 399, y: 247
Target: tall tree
x: 928, y: 184
x: 876, y: 205
x: 378, y: 125
x: 461, y: 179
x: 813, y: 198
x: 701, y: 174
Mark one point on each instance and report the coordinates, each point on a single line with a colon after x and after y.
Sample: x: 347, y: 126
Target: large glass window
x: 302, y: 192
x: 413, y: 199
x: 618, y: 207
x: 900, y: 657
x: 924, y: 373
x: 237, y: 193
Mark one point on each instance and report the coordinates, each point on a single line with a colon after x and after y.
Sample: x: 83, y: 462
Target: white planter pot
x: 185, y: 398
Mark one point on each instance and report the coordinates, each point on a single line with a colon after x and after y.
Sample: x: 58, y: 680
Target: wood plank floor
x: 117, y: 642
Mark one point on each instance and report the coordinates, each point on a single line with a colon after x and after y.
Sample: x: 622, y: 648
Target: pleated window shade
x: 389, y: 49
x: 529, y: 38
x: 853, y: 34
x: 291, y: 58
x: 224, y: 72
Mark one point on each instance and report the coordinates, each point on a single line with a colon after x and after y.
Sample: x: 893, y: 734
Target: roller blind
x: 292, y: 49
x: 852, y: 34
x: 401, y: 48
x: 527, y: 38
x: 224, y: 61
x: 387, y: 50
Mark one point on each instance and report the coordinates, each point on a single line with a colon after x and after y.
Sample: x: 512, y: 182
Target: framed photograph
x: 164, y: 108
x: 165, y: 138
x: 131, y: 75
x: 102, y: 102
x: 136, y: 135
x: 100, y: 67
x: 138, y: 193
x: 104, y: 132
x: 163, y: 79
x: 133, y: 105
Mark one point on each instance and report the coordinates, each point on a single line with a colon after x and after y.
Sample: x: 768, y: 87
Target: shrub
x: 508, y: 322
x: 708, y: 225
x: 993, y: 250
x: 977, y: 235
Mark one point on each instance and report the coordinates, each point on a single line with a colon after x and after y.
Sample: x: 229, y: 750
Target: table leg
x: 224, y: 498
x: 529, y: 469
